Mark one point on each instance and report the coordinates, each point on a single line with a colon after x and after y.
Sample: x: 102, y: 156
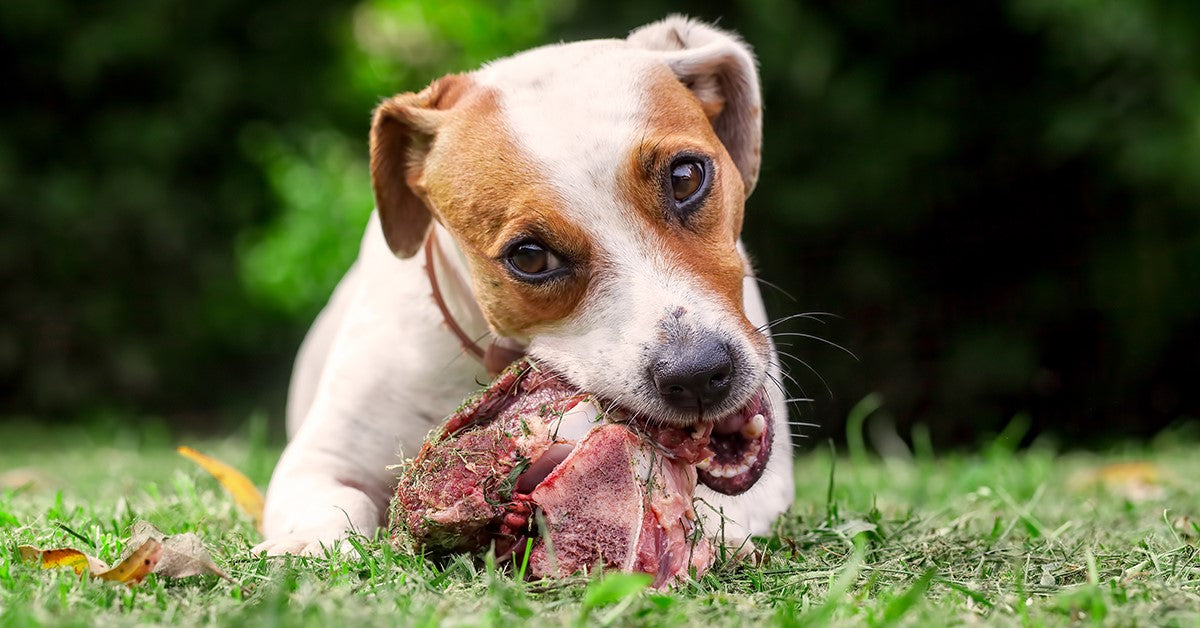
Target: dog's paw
x: 305, y: 544
x: 291, y: 544
x: 309, y: 521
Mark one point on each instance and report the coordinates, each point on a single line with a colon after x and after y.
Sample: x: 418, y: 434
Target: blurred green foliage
x: 322, y: 184
x: 123, y: 188
x: 1001, y: 200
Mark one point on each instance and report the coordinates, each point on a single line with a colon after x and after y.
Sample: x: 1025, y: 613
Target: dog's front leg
x: 388, y: 372
x: 332, y: 480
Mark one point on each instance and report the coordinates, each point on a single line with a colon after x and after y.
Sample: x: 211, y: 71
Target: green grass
x: 998, y: 536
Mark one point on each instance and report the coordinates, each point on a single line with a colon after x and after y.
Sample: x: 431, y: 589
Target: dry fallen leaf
x: 24, y: 478
x: 130, y: 571
x: 243, y: 490
x: 1135, y: 481
x: 183, y: 555
x: 147, y: 551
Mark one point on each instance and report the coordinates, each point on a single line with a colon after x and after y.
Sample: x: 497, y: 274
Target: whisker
x: 787, y: 354
x: 778, y: 386
x: 779, y: 383
x: 814, y: 372
x: 814, y: 316
x: 786, y: 375
x: 790, y: 356
x: 773, y: 285
x: 792, y: 401
x: 818, y: 339
x: 614, y: 404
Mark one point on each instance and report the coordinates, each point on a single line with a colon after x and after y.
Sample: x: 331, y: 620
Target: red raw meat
x: 533, y: 458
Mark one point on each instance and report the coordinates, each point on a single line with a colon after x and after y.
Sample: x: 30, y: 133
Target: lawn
x: 1034, y: 537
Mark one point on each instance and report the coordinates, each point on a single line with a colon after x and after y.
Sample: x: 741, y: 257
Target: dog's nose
x: 695, y: 376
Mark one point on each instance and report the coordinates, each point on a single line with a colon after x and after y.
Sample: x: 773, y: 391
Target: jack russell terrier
x: 580, y: 202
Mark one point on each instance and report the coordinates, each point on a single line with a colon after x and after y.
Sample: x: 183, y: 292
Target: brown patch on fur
x: 704, y: 245
x: 479, y: 185
x: 448, y: 90
x: 401, y: 131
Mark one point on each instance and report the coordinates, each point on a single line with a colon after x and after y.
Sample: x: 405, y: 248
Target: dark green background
x: 1000, y: 199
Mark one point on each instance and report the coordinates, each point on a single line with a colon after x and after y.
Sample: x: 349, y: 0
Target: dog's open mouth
x: 741, y: 446
x: 730, y: 454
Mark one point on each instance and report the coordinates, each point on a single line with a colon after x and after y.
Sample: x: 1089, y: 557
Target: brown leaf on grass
x: 183, y: 555
x: 239, y: 486
x: 131, y: 570
x: 1135, y: 481
x: 147, y: 551
x: 24, y: 478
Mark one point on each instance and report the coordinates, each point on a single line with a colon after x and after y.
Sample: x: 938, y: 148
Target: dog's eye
x: 531, y: 261
x: 687, y: 176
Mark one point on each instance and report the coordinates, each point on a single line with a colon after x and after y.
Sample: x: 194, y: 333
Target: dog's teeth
x: 717, y: 470
x: 751, y: 453
x: 697, y: 432
x: 575, y: 423
x: 754, y: 427
x: 705, y: 464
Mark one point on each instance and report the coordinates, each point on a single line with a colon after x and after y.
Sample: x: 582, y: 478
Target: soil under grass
x: 1029, y: 537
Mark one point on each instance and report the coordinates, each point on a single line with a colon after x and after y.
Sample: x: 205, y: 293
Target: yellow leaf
x: 135, y: 567
x: 62, y: 557
x: 1127, y: 472
x: 239, y: 486
x: 1136, y: 481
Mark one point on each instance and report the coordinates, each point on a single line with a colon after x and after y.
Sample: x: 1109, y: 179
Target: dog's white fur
x: 379, y: 368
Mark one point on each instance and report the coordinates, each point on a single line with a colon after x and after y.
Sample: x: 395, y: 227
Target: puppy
x: 581, y: 202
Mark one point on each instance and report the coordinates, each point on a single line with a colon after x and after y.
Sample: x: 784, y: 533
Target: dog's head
x: 597, y: 191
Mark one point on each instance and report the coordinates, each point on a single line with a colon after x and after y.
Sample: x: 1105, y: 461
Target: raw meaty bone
x: 533, y: 458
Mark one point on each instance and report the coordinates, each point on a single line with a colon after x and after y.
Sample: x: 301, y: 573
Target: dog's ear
x: 402, y: 130
x: 720, y: 70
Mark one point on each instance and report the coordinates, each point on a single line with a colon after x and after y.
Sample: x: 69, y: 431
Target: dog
x: 580, y: 202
